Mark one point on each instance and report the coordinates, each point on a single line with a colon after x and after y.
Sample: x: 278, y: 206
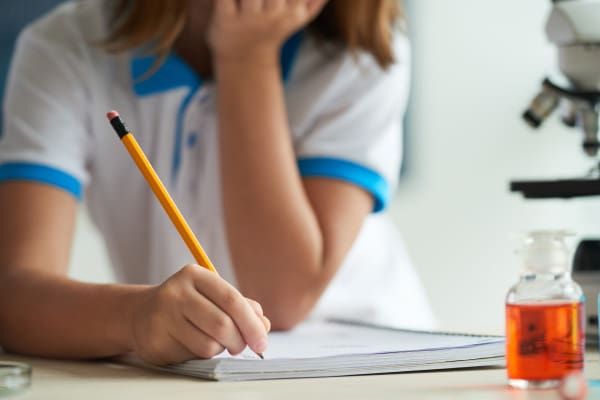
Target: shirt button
x: 192, y: 139
x: 203, y: 99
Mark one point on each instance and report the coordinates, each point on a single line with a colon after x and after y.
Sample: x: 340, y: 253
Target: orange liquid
x: 544, y: 341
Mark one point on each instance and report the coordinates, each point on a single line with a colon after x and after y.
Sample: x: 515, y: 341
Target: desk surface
x: 101, y: 380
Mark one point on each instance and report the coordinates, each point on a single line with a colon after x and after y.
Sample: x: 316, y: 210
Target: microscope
x: 574, y: 27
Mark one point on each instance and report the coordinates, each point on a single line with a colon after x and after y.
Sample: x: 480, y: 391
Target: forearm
x: 274, y: 235
x: 51, y: 315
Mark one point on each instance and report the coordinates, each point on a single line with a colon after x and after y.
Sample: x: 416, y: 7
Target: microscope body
x: 574, y: 28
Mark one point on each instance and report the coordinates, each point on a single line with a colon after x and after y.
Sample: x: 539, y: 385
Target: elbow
x: 8, y: 347
x: 286, y: 311
x: 12, y: 333
x: 288, y: 304
x: 287, y: 300
x: 284, y: 322
x: 9, y: 336
x: 8, y: 340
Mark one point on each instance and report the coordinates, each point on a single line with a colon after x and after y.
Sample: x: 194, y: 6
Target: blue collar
x: 175, y: 73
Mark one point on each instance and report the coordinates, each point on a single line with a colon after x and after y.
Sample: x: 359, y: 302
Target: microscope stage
x: 562, y: 188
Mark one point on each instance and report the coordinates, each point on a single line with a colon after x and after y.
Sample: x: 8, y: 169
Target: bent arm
x: 287, y: 235
x: 42, y: 311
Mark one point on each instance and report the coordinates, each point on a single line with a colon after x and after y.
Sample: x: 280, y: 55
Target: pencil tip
x: 261, y: 356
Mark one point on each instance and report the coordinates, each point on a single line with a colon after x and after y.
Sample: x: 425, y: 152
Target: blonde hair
x: 357, y: 24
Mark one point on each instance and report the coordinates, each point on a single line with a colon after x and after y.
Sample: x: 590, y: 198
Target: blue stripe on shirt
x: 20, y: 171
x: 348, y: 171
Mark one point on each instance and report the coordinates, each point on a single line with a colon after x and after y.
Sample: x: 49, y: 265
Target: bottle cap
x: 546, y: 252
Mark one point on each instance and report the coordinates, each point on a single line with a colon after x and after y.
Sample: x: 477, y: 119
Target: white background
x: 477, y: 64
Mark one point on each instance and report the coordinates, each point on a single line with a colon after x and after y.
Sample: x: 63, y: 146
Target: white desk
x: 101, y: 380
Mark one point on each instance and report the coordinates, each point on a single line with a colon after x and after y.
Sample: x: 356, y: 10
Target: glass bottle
x: 544, y: 315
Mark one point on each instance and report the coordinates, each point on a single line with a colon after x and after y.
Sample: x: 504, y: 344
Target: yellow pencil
x: 140, y: 159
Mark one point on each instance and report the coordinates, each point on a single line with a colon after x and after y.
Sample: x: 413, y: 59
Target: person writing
x: 275, y: 125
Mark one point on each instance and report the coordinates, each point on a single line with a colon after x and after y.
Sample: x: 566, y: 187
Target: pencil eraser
x: 112, y: 115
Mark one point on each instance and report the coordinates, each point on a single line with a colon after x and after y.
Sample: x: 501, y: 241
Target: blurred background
x: 476, y: 66
x: 15, y: 14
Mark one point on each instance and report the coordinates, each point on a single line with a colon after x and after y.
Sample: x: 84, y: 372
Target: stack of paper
x: 319, y: 349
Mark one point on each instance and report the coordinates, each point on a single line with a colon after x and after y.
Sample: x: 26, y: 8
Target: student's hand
x: 195, y: 314
x: 244, y: 29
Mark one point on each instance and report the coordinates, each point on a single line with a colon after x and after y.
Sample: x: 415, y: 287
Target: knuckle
x: 297, y: 13
x: 237, y: 348
x: 222, y: 326
x: 188, y: 269
x: 170, y: 292
x: 266, y: 323
x: 209, y: 350
x: 231, y: 299
x: 214, y: 348
x: 256, y: 306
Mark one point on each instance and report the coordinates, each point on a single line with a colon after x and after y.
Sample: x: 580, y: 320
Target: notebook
x: 340, y: 348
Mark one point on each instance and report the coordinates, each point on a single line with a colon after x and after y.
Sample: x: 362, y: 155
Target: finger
x: 274, y: 5
x: 176, y: 352
x: 197, y: 342
x: 295, y: 3
x: 251, y: 6
x: 226, y: 7
x: 297, y: 9
x: 167, y: 351
x: 267, y: 323
x: 214, y: 322
x: 259, y: 311
x: 228, y: 299
x: 256, y: 307
x: 315, y: 7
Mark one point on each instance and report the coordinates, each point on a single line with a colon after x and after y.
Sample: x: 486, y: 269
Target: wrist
x: 128, y: 299
x: 231, y: 74
x: 264, y: 57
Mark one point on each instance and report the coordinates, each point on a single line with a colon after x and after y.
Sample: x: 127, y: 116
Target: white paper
x: 318, y: 339
x: 327, y: 348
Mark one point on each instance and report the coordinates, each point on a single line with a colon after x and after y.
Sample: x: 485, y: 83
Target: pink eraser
x: 112, y: 115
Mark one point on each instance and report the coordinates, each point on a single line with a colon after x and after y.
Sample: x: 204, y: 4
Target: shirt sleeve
x: 355, y: 134
x: 44, y: 135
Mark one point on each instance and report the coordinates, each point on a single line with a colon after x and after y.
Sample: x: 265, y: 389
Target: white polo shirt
x: 345, y: 118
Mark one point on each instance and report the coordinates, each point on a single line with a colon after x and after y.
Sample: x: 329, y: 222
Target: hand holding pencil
x: 194, y: 313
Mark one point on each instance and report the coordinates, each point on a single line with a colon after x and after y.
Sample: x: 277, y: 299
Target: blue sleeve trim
x: 351, y: 172
x: 42, y: 174
x: 289, y: 52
